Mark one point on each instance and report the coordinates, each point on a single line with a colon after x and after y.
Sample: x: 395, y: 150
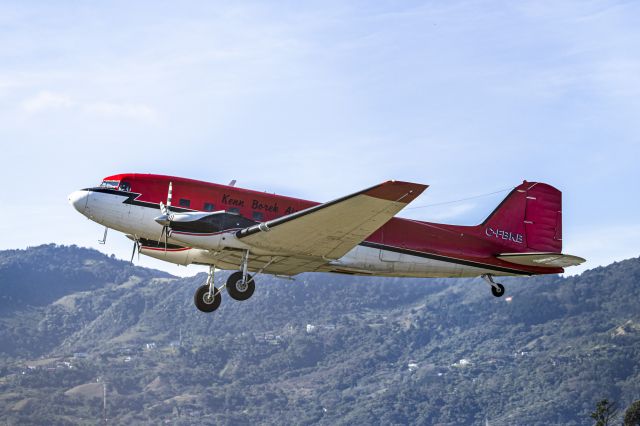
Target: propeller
x: 136, y: 247
x: 164, y: 234
x: 165, y: 219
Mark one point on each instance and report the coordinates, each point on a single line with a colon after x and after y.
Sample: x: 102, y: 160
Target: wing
x: 328, y: 231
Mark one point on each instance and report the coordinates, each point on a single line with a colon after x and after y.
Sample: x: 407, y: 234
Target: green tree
x: 632, y: 415
x: 605, y: 412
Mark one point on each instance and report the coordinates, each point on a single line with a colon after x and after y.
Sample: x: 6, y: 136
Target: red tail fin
x: 528, y: 220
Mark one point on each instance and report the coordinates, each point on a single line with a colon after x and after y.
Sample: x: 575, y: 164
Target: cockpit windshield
x: 112, y: 184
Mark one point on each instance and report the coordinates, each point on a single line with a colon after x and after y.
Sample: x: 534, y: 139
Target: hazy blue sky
x: 317, y: 100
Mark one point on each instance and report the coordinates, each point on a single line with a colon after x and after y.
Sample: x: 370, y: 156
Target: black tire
x: 497, y: 292
x: 201, y: 299
x: 235, y: 288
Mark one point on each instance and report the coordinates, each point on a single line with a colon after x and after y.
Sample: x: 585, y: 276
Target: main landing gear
x: 240, y: 286
x: 207, y: 297
x: 497, y: 289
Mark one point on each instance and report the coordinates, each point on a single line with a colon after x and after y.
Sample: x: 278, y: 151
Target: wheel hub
x: 208, y: 298
x: 242, y: 286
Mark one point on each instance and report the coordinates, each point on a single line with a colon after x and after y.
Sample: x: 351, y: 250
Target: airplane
x: 187, y: 221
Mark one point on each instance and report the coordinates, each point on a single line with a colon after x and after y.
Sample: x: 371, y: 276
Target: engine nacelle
x: 204, y: 230
x: 214, y: 241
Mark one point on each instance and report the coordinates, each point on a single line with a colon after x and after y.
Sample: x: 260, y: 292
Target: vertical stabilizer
x: 529, y: 219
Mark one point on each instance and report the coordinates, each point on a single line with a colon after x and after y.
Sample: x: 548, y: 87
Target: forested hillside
x: 323, y: 348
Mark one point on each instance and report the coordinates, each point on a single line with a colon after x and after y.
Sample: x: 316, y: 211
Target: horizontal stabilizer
x: 548, y: 260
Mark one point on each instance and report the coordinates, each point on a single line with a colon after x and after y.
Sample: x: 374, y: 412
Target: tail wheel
x: 238, y: 289
x: 498, y: 290
x: 206, y: 302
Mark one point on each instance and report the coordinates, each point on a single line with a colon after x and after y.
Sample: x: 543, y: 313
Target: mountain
x: 327, y: 349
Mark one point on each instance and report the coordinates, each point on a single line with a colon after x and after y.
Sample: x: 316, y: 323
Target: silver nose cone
x: 79, y: 199
x: 164, y: 220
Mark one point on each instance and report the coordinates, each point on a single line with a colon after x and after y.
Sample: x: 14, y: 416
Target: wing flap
x: 278, y: 265
x: 331, y: 229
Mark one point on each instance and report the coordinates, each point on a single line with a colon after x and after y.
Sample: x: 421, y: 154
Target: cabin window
x: 258, y: 216
x: 209, y: 207
x: 185, y: 203
x: 110, y: 184
x: 125, y: 186
x: 234, y: 210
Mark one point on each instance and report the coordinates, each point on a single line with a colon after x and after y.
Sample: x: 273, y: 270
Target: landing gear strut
x: 497, y: 289
x: 207, y: 297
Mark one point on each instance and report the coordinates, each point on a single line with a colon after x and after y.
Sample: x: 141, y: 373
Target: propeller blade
x: 169, y: 194
x: 164, y: 209
x: 133, y: 252
x: 137, y: 246
x: 166, y: 220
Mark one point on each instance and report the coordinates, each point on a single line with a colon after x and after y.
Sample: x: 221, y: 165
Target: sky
x: 320, y: 99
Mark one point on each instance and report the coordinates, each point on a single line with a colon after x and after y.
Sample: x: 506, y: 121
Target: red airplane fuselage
x: 472, y: 248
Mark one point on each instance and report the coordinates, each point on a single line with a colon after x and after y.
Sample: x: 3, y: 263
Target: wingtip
x: 395, y: 190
